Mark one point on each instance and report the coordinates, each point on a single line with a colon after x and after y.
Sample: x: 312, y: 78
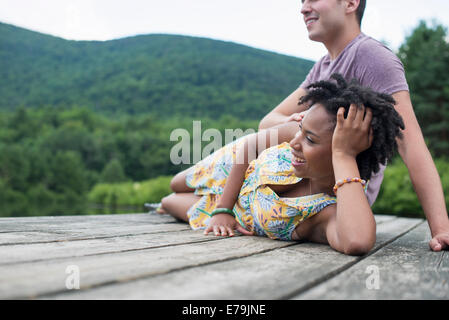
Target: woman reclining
x: 312, y: 188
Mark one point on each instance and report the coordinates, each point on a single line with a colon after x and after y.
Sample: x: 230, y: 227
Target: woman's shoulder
x: 316, y: 229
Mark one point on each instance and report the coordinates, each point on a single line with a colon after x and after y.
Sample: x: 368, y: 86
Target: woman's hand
x: 353, y: 134
x: 224, y: 224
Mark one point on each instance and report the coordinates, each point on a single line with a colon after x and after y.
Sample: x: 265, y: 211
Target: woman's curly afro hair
x: 386, y: 122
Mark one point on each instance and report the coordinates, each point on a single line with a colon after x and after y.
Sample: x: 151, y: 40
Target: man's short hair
x: 360, y: 11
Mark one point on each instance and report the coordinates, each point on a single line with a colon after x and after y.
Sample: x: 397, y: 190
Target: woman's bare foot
x: 160, y: 210
x: 157, y: 207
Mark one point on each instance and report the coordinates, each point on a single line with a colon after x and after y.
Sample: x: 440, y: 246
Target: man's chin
x: 314, y: 37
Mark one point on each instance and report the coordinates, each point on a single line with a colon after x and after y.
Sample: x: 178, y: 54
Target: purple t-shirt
x: 373, y: 65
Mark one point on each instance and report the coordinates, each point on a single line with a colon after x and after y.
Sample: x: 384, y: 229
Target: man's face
x: 323, y: 18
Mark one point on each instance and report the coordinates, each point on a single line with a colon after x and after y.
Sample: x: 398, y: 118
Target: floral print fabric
x: 258, y: 207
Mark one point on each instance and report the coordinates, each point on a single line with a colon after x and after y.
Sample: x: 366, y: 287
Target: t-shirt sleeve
x: 306, y: 81
x: 381, y: 69
x: 311, y: 76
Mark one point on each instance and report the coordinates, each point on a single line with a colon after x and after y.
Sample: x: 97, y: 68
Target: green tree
x: 67, y: 173
x: 425, y: 55
x: 113, y: 172
x: 14, y: 166
x: 12, y: 203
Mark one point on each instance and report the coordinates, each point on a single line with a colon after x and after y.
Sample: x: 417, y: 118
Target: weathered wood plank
x: 74, y: 227
x: 33, y: 237
x: 63, y: 223
x: 270, y: 275
x: 383, y: 218
x: 13, y: 254
x: 406, y: 269
x: 75, y: 218
x: 37, y: 278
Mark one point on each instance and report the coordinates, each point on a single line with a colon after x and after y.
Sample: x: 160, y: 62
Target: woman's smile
x: 297, y: 161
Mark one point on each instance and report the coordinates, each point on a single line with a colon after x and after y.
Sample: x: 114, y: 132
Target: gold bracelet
x: 339, y: 183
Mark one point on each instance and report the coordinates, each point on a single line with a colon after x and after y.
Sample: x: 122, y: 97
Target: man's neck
x: 336, y: 45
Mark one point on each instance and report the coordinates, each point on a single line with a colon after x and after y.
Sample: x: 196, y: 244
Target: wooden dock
x: 148, y: 256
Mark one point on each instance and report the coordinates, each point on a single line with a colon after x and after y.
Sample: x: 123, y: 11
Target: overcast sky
x: 274, y: 25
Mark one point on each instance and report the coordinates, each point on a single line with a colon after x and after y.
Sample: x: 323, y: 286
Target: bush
x: 113, y: 172
x: 12, y: 203
x: 397, y: 196
x: 130, y: 193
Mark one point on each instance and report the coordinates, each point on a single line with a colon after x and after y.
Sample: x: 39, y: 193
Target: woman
x: 256, y: 188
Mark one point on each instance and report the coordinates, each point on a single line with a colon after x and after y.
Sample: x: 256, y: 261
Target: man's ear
x: 352, y: 5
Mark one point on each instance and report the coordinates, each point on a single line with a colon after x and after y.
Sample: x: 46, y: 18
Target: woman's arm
x: 254, y: 144
x: 352, y: 230
x: 224, y: 224
x: 244, y: 155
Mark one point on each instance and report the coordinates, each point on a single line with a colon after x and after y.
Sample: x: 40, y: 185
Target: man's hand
x: 224, y: 224
x: 440, y: 241
x: 296, y: 117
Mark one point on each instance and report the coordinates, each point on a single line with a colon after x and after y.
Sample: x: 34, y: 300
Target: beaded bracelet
x: 339, y: 183
x: 222, y: 210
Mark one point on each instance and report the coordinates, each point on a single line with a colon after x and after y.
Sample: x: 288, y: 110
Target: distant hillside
x: 162, y: 74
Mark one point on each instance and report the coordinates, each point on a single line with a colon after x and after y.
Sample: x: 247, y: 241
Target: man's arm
x: 284, y: 110
x: 423, y: 173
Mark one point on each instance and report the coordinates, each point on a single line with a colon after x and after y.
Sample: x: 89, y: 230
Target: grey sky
x: 274, y: 25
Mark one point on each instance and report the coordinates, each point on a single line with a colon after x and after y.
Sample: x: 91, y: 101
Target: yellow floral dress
x: 258, y: 207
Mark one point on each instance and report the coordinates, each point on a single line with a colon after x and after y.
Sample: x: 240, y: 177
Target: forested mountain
x: 160, y: 74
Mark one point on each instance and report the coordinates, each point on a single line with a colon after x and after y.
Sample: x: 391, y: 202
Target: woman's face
x: 312, y: 145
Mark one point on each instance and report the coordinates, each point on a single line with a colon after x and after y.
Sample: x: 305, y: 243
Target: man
x: 336, y: 24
